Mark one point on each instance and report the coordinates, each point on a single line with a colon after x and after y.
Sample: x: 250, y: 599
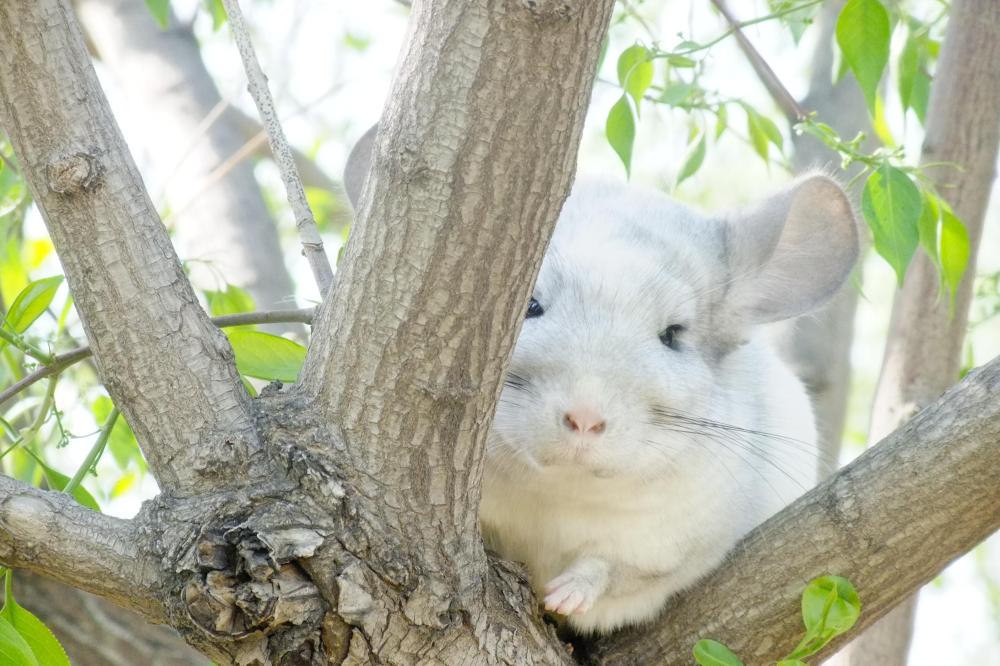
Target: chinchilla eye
x: 669, y: 335
x: 535, y: 309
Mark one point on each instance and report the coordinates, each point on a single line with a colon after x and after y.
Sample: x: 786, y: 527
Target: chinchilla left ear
x: 358, y: 164
x: 789, y: 254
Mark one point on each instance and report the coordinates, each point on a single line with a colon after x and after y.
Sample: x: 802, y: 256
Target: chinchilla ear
x: 790, y: 253
x: 358, y: 163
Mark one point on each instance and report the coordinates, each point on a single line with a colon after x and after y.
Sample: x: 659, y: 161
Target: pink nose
x: 584, y: 421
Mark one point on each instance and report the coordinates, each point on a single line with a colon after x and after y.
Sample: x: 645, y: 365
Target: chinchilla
x: 647, y: 422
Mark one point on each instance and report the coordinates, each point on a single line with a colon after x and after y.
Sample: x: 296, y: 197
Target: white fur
x: 610, y: 526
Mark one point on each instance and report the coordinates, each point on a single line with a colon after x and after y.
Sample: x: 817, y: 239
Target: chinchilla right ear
x: 791, y: 253
x: 358, y: 164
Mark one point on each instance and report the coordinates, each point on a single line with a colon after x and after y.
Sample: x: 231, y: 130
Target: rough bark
x: 409, y: 367
x: 161, y: 359
x: 95, y: 632
x: 51, y: 534
x: 226, y: 223
x: 860, y: 524
x: 924, y: 350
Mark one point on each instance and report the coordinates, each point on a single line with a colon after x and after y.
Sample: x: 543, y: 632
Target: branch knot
x: 74, y: 173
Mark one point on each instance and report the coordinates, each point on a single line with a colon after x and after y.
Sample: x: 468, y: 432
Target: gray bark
x: 161, y: 359
x: 923, y: 354
x: 343, y: 528
x: 226, y: 222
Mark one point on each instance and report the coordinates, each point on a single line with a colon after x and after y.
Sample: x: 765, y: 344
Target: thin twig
x: 62, y: 361
x: 634, y: 13
x: 784, y: 99
x: 94, y: 454
x: 312, y: 244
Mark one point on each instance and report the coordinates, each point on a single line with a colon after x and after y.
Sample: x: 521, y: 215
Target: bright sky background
x: 330, y: 93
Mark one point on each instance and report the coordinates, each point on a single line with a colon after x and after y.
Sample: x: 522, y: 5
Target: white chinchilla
x: 646, y: 423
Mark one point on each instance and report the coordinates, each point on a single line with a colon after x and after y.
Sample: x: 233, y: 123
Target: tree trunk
x: 923, y: 354
x: 223, y: 225
x: 335, y: 521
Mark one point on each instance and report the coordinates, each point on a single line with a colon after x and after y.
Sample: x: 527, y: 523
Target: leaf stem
x: 95, y: 453
x: 25, y: 346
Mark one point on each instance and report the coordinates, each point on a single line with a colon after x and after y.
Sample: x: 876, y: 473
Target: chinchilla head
x: 643, y: 324
x: 641, y: 333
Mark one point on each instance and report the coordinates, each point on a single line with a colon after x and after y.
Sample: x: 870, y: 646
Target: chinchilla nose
x: 584, y: 421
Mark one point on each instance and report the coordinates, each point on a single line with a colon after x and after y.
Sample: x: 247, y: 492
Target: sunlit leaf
x: 721, y: 120
x: 909, y: 65
x: 830, y: 607
x: 160, y: 9
x: 40, y: 641
x: 635, y: 72
x: 58, y: 481
x: 693, y: 160
x: 954, y: 249
x: 14, y: 650
x: 928, y: 226
x: 863, y: 36
x: 680, y: 61
x: 677, y: 93
x: 266, y: 356
x: 758, y: 137
x: 891, y: 205
x: 217, y: 11
x: 231, y: 300
x: 713, y: 653
x: 620, y: 131
x: 32, y: 302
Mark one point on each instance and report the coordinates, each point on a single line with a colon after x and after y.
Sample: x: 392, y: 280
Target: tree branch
x: 927, y: 332
x: 312, y: 244
x: 860, y: 524
x: 62, y: 361
x: 50, y: 534
x: 219, y: 218
x: 409, y: 351
x: 779, y: 93
x: 161, y: 359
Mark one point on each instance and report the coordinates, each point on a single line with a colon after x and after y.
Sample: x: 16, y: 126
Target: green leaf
x: 635, y: 72
x: 620, y: 130
x: 771, y: 131
x: 954, y: 249
x: 58, y: 481
x: 266, y: 356
x: 14, y: 650
x: 891, y: 204
x: 909, y: 65
x: 160, y: 9
x: 927, y: 226
x: 232, y: 300
x: 791, y: 662
x: 920, y: 95
x: 217, y: 11
x: 694, y: 159
x: 721, y: 120
x: 830, y: 607
x: 677, y: 93
x: 32, y: 302
x: 680, y: 61
x: 863, y: 36
x: 758, y: 136
x: 44, y: 646
x: 713, y: 653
